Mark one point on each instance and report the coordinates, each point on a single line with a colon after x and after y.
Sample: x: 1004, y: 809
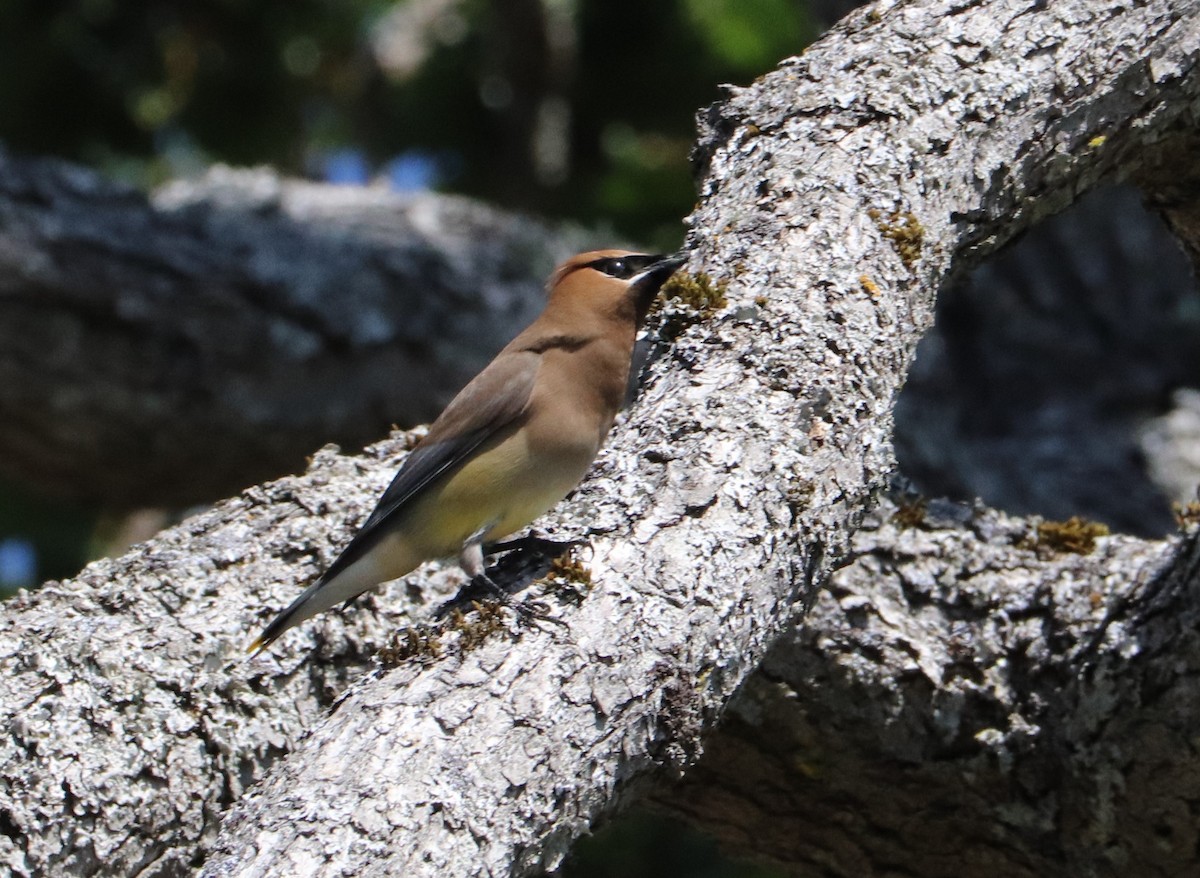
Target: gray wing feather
x: 494, y: 399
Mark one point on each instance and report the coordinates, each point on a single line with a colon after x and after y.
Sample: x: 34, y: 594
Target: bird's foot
x: 481, y: 582
x: 529, y: 612
x: 531, y: 543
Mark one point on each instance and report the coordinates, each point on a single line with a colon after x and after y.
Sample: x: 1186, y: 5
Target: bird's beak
x: 662, y: 269
x: 646, y: 285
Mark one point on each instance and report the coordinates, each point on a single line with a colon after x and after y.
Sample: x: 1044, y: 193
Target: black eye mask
x: 624, y: 267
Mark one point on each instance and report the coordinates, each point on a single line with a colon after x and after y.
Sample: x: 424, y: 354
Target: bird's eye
x: 615, y: 266
x: 624, y: 267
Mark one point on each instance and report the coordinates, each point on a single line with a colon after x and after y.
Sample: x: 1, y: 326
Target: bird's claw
x: 531, y: 543
x: 530, y: 612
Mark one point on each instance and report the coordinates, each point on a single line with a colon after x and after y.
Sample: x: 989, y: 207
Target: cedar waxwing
x: 513, y: 442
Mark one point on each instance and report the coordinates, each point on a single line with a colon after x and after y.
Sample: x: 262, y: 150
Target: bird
x: 512, y: 443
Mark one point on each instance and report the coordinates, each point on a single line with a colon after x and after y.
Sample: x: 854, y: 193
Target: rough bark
x: 840, y: 193
x: 1010, y: 112
x: 135, y: 718
x: 971, y: 699
x: 175, y: 349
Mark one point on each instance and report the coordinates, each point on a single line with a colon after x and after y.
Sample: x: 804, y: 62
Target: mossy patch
x: 422, y: 645
x: 489, y: 618
x: 905, y: 232
x: 1187, y: 514
x: 696, y: 292
x: 570, y: 568
x: 910, y: 513
x: 1076, y: 535
x: 569, y: 577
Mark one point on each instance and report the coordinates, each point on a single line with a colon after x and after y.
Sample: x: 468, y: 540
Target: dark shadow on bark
x: 1034, y: 387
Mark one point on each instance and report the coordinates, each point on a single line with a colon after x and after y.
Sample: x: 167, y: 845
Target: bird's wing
x: 495, y: 398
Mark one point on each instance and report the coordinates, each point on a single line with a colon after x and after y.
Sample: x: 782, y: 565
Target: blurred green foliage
x: 571, y: 108
x: 744, y: 33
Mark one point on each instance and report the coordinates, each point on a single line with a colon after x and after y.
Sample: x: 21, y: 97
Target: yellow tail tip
x: 256, y: 647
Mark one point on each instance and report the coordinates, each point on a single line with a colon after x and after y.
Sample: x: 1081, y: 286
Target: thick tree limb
x: 969, y: 699
x: 840, y: 193
x: 930, y: 137
x: 135, y: 719
x: 173, y: 350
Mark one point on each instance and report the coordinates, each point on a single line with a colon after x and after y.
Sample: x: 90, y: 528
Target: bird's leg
x: 471, y: 561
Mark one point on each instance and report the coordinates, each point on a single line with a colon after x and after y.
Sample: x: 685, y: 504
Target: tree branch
x: 970, y: 699
x: 840, y: 193
x: 862, y: 175
x: 172, y: 350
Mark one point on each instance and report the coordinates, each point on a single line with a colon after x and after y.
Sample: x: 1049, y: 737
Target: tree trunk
x: 838, y: 195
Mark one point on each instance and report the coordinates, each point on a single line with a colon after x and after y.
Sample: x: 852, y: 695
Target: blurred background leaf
x: 568, y: 108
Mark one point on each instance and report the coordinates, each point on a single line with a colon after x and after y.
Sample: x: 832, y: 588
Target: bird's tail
x: 326, y: 592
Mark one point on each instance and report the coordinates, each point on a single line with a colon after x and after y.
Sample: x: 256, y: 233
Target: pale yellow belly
x: 502, y: 489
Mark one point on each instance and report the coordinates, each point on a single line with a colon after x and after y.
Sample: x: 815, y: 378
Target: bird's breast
x: 524, y: 470
x: 513, y: 480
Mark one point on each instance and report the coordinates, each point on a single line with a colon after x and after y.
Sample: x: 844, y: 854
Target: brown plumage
x: 514, y: 441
